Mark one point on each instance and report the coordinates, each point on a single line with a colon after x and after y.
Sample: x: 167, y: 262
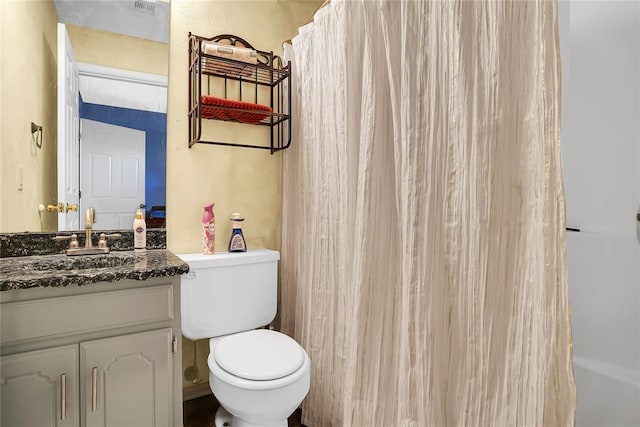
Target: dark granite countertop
x: 62, y: 270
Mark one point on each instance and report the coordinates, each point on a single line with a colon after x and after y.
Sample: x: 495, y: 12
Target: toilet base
x: 224, y: 419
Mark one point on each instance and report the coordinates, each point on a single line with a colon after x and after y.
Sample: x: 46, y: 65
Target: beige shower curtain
x: 423, y: 255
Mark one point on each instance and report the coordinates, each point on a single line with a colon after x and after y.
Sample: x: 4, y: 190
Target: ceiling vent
x: 144, y: 6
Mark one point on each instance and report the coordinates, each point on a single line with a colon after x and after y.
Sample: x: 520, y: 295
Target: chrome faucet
x: 89, y: 249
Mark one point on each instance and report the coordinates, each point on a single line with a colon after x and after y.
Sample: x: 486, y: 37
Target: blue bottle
x: 237, y: 243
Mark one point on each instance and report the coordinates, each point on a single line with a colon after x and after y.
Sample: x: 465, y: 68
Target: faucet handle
x: 73, y: 240
x: 102, y: 243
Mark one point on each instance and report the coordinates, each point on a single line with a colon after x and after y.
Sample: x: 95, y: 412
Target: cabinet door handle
x: 63, y: 396
x: 94, y: 389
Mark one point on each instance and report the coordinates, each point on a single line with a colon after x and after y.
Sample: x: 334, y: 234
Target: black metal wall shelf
x: 268, y: 77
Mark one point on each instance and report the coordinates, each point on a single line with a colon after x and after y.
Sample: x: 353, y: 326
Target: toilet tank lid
x: 221, y: 259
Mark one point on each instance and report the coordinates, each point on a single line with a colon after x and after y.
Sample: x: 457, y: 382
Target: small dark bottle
x: 237, y: 243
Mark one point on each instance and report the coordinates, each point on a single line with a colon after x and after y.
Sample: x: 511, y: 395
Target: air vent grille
x: 144, y: 6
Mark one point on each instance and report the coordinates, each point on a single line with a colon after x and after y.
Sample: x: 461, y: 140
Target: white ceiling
x: 147, y: 19
x: 122, y: 88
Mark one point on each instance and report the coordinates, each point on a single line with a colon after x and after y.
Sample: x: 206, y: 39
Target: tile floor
x: 200, y: 412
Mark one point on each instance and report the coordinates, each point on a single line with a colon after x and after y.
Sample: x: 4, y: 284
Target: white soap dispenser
x: 139, y: 232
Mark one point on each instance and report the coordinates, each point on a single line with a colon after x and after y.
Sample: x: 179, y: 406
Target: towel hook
x: 36, y: 129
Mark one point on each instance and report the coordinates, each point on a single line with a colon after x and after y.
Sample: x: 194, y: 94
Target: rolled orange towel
x: 251, y: 113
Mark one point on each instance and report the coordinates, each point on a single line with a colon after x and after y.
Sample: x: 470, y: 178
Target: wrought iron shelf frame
x: 269, y: 72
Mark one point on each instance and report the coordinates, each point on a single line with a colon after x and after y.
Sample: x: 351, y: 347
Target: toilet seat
x: 259, y: 355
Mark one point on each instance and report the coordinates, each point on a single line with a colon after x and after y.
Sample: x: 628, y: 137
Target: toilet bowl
x: 260, y: 379
x: 259, y: 376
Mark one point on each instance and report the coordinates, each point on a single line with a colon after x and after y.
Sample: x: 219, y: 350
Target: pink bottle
x: 208, y: 230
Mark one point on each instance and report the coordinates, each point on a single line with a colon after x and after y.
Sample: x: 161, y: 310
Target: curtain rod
x: 324, y: 3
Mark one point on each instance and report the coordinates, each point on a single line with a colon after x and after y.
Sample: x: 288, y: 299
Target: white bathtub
x: 604, y: 293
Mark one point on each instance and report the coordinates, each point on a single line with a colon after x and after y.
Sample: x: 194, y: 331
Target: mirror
x: 122, y: 86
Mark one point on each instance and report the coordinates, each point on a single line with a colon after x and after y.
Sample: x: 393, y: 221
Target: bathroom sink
x: 84, y: 262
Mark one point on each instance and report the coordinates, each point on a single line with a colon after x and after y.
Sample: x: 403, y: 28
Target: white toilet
x: 259, y: 376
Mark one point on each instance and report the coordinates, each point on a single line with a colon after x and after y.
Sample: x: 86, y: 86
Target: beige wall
x: 118, y: 51
x: 28, y: 94
x: 242, y: 180
x: 235, y: 179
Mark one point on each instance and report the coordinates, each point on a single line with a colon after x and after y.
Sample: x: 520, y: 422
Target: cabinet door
x: 128, y: 380
x: 40, y: 388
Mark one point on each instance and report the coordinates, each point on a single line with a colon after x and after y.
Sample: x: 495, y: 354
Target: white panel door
x: 68, y: 131
x: 112, y: 168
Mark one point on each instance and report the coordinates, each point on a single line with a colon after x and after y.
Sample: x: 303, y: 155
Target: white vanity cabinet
x: 104, y: 354
x: 40, y: 388
x: 126, y: 380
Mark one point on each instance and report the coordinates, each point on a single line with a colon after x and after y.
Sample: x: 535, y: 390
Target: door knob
x: 62, y: 208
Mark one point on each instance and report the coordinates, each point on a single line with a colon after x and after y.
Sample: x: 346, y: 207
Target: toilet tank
x: 226, y: 293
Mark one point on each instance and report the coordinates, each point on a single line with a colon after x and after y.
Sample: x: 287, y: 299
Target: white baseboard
x: 195, y: 391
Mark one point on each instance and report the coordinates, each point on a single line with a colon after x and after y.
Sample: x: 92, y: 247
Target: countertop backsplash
x: 31, y: 244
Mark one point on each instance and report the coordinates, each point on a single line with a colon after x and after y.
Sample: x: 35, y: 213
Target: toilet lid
x: 259, y: 355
